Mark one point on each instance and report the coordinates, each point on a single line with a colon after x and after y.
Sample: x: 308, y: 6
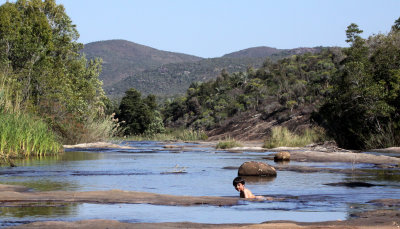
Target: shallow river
x: 194, y: 170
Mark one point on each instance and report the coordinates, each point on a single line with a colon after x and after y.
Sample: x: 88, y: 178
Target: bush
x: 227, y: 144
x: 23, y: 135
x: 173, y: 135
x: 281, y: 136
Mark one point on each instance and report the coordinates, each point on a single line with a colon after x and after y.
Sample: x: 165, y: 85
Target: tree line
x: 353, y: 92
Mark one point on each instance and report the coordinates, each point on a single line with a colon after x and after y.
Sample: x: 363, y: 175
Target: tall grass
x: 281, y: 136
x: 228, y: 143
x: 22, y: 135
x: 173, y: 135
x: 103, y: 128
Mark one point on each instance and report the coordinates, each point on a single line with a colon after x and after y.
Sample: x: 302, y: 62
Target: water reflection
x: 45, y: 185
x: 54, y: 159
x: 38, y: 210
x: 255, y: 180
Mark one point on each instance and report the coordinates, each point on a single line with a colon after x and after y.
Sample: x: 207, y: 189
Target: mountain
x: 152, y: 71
x: 172, y: 79
x: 122, y: 58
x: 273, y: 53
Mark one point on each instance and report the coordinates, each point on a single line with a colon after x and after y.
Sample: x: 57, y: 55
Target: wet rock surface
x: 371, y: 219
x: 115, y: 196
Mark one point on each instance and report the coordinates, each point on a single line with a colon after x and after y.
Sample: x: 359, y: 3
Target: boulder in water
x: 253, y: 168
x: 282, y: 156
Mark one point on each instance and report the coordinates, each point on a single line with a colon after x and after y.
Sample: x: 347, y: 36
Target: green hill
x: 122, y: 58
x: 151, y: 71
x: 273, y: 53
x: 172, y: 79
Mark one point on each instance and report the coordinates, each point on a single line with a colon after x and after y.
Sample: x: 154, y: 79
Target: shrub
x: 24, y: 135
x: 281, y: 136
x: 227, y: 144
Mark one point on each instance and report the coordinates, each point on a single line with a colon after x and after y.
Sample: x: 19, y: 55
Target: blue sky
x: 212, y: 28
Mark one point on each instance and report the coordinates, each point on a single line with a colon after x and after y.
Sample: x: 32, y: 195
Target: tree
x: 139, y: 115
x: 362, y: 109
x: 40, y: 55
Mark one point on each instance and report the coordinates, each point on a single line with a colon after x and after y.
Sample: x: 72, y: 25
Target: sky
x: 212, y: 28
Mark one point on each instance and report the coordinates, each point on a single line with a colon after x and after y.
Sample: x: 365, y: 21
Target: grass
x: 281, y: 136
x: 101, y: 129
x: 228, y: 143
x: 22, y: 135
x: 173, y: 135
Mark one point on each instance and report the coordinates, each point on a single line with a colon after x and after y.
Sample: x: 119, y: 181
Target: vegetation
x: 139, y: 116
x: 23, y: 135
x: 42, y: 74
x: 281, y: 136
x: 362, y: 107
x: 124, y: 58
x: 150, y: 71
x: 172, y: 135
x: 227, y: 144
x: 291, y: 83
x: 354, y: 93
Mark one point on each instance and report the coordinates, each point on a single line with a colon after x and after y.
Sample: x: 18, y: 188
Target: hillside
x: 151, y: 71
x: 171, y: 79
x: 124, y: 58
x: 273, y: 53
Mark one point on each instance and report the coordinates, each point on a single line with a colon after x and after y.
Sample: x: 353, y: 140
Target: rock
x: 253, y: 168
x: 282, y: 156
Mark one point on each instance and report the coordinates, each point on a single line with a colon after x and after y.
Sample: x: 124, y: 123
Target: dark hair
x: 238, y: 180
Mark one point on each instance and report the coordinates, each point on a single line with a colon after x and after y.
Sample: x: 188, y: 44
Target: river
x: 191, y: 169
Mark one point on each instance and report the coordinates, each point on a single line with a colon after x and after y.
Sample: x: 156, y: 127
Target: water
x: 195, y: 170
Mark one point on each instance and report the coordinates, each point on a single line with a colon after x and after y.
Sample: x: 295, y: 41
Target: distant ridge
x: 255, y: 52
x: 264, y: 51
x: 123, y: 58
x: 130, y: 65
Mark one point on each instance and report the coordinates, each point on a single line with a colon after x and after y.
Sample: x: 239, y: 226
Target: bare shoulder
x: 248, y: 194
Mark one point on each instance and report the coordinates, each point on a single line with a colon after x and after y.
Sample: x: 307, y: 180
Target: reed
x: 22, y: 135
x: 172, y: 135
x: 281, y: 136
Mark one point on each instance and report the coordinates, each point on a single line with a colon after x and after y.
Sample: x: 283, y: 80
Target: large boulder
x: 282, y: 156
x: 253, y: 168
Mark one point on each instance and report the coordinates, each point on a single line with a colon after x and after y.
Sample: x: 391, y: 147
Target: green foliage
x: 293, y: 82
x: 228, y: 144
x: 361, y: 109
x: 281, y: 136
x: 22, y: 135
x: 179, y: 134
x: 139, y: 116
x: 43, y: 71
x: 129, y: 65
